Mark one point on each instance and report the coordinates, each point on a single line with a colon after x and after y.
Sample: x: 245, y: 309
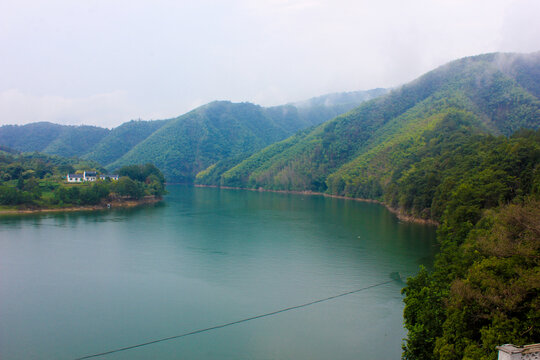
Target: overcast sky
x: 106, y: 62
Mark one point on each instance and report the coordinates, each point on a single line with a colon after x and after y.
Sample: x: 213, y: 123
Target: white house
x: 89, y: 176
x: 108, y: 176
x: 75, y: 178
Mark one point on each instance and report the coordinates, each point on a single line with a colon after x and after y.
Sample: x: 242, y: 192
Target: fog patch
x: 106, y: 110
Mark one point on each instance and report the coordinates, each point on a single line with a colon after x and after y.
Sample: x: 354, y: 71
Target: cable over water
x: 235, y: 322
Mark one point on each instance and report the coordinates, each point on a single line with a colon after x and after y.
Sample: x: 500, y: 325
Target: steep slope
x: 219, y: 135
x: 216, y: 131
x: 294, y: 117
x: 107, y: 146
x: 76, y: 140
x: 357, y: 154
x: 122, y: 139
x: 483, y: 289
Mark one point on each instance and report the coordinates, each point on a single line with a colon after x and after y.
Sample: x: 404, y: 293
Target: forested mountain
x: 460, y: 145
x: 219, y: 135
x: 212, y: 133
x: 359, y: 154
x: 446, y: 147
x: 76, y: 140
x: 92, y: 142
x: 54, y: 139
x: 107, y: 146
x: 30, y: 137
x: 121, y: 139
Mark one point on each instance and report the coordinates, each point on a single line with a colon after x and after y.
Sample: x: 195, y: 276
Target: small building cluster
x: 512, y: 352
x: 89, y: 176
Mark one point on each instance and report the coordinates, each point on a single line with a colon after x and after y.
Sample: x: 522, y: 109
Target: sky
x: 106, y: 62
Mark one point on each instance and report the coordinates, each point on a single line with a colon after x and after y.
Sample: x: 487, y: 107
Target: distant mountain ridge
x: 121, y: 139
x: 352, y: 98
x: 108, y: 147
x: 38, y: 136
x: 342, y: 143
x: 217, y: 135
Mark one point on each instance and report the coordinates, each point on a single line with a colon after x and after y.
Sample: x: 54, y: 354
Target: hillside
x: 359, y: 154
x: 76, y: 140
x: 484, y: 289
x: 216, y: 136
x: 211, y: 133
x: 34, y: 181
x: 447, y: 147
x: 107, y: 146
x: 121, y: 139
x: 30, y: 137
x: 54, y: 139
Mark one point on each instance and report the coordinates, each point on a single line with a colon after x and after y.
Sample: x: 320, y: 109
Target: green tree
x: 129, y: 188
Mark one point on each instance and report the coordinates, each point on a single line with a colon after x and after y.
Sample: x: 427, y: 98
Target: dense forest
x: 357, y: 153
x: 484, y: 290
x: 36, y: 181
x: 221, y: 134
x: 121, y: 139
x: 117, y: 147
x: 49, y: 138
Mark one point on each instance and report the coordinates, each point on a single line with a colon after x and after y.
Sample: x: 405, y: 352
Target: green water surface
x: 73, y: 284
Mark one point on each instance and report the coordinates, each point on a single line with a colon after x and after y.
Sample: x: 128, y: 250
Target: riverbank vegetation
x: 459, y: 146
x: 484, y: 290
x: 38, y: 181
x: 361, y: 153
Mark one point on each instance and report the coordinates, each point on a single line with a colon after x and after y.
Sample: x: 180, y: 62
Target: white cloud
x: 520, y: 31
x: 167, y: 56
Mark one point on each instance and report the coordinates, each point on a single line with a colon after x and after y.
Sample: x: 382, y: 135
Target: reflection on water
x: 82, y: 282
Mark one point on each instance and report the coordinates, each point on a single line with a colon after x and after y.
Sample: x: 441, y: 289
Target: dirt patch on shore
x: 113, y: 204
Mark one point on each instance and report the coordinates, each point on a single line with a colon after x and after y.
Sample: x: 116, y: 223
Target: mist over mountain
x: 352, y: 98
x: 218, y: 135
x: 458, y: 147
x: 257, y: 129
x: 356, y: 154
x: 169, y: 165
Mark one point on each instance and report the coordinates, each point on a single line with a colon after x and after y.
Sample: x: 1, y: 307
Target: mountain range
x: 350, y: 144
x: 220, y: 131
x: 359, y: 153
x: 459, y: 147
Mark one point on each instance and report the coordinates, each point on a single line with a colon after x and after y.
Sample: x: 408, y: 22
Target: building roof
x: 513, y: 349
x: 75, y: 175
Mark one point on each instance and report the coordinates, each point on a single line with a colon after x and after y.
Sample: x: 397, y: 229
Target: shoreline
x: 399, y: 213
x: 115, y: 204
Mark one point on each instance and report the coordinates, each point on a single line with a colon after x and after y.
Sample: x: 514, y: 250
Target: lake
x: 74, y: 284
